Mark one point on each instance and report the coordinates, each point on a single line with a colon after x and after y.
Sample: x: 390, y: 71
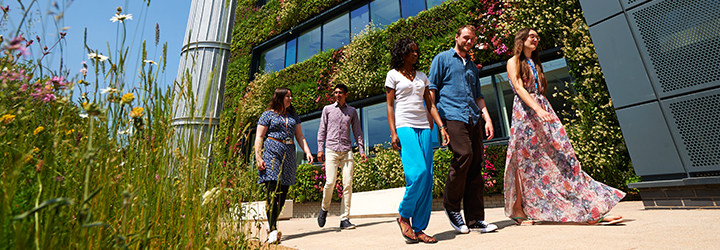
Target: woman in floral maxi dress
x: 543, y: 179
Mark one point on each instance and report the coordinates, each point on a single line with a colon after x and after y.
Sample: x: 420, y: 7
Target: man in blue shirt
x: 455, y: 87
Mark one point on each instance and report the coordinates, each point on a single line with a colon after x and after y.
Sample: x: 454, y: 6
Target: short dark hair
x: 401, y: 48
x: 341, y: 86
x: 467, y: 26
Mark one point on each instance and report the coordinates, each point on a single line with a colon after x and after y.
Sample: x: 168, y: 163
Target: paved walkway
x: 645, y: 229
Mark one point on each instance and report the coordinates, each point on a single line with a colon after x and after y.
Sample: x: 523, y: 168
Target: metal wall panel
x: 627, y: 4
x: 649, y: 140
x: 679, y: 41
x: 600, y: 10
x: 624, y: 72
x: 695, y: 123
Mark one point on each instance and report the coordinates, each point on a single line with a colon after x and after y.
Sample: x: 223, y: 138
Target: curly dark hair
x: 401, y: 48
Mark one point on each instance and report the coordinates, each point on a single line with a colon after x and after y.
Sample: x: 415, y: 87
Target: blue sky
x: 170, y: 15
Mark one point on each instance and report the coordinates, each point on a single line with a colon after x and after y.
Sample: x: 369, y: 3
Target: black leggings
x: 275, y: 202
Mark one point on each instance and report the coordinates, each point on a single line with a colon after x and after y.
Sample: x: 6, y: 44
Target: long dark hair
x: 524, y: 69
x: 276, y: 102
x: 399, y: 50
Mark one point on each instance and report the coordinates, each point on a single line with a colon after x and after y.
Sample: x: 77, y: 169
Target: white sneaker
x: 483, y: 227
x: 274, y: 237
x: 457, y: 222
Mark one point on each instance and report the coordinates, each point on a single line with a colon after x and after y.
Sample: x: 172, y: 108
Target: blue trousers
x: 417, y: 158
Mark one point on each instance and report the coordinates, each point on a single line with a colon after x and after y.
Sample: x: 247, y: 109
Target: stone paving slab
x: 645, y: 229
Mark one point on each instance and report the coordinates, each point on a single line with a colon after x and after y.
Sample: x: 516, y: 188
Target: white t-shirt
x: 409, y: 105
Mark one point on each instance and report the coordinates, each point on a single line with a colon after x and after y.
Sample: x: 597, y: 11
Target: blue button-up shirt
x: 457, y: 86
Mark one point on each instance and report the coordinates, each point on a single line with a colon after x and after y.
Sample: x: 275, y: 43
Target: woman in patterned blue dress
x: 275, y: 154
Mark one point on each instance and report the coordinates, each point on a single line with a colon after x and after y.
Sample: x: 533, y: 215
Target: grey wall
x: 661, y: 62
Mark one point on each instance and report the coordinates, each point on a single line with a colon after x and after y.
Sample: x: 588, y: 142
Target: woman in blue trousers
x: 408, y: 104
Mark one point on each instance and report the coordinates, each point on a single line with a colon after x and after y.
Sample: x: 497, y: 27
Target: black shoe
x: 321, y: 218
x: 483, y: 227
x: 345, y: 224
x: 457, y: 222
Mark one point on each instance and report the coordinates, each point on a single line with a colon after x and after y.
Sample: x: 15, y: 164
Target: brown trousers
x: 465, y: 181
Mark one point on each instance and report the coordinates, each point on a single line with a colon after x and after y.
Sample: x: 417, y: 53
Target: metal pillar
x: 199, y: 86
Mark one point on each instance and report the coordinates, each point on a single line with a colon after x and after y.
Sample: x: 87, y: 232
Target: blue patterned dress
x: 279, y: 157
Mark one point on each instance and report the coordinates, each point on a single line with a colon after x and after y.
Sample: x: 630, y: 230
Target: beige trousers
x: 332, y: 161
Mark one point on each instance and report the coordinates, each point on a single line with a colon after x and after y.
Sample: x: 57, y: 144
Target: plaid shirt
x: 334, y: 130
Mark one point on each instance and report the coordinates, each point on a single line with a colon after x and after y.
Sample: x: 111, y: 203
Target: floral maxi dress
x: 553, y: 186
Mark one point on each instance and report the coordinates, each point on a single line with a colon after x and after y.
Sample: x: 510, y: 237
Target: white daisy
x: 121, y: 18
x: 98, y: 57
x: 108, y: 90
x: 150, y: 61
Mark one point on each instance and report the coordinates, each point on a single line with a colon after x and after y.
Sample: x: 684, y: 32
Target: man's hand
x: 321, y: 156
x: 363, y: 158
x: 489, y: 131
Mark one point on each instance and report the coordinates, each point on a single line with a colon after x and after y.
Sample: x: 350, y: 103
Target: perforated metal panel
x: 681, y: 39
x: 631, y: 3
x: 695, y: 121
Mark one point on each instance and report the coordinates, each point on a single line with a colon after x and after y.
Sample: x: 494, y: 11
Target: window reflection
x: 310, y: 131
x: 359, y: 19
x: 375, y: 125
x: 273, y: 59
x: 433, y: 3
x: 384, y: 12
x: 308, y: 44
x: 491, y: 103
x: 336, y: 32
x: 411, y: 7
x: 556, y: 73
x: 290, y: 52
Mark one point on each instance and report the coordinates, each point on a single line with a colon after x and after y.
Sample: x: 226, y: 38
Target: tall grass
x: 104, y: 168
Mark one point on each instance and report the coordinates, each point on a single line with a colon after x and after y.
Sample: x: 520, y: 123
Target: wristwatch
x: 443, y: 127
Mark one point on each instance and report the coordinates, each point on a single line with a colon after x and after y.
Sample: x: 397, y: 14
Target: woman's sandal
x: 605, y: 223
x: 407, y: 232
x: 421, y: 236
x: 524, y: 222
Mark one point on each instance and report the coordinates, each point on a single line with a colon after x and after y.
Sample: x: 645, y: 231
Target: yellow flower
x: 35, y: 150
x: 127, y: 98
x: 136, y: 112
x: 7, y: 118
x: 69, y: 131
x: 38, y: 130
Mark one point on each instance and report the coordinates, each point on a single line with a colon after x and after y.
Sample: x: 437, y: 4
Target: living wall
x: 362, y: 65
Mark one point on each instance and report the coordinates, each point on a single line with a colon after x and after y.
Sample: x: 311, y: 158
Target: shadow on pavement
x: 329, y: 230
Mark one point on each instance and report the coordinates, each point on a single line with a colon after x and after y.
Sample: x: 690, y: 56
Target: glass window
x: 491, y: 102
x: 359, y: 19
x: 336, y: 32
x: 310, y: 131
x: 273, y: 59
x: 375, y: 125
x: 411, y: 7
x: 308, y: 44
x: 506, y: 96
x: 384, y: 12
x: 556, y: 73
x: 433, y: 3
x: 290, y: 52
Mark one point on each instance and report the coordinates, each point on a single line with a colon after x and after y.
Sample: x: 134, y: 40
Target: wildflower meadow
x: 90, y: 159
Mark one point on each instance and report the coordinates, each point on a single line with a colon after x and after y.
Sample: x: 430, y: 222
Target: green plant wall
x: 363, y: 63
